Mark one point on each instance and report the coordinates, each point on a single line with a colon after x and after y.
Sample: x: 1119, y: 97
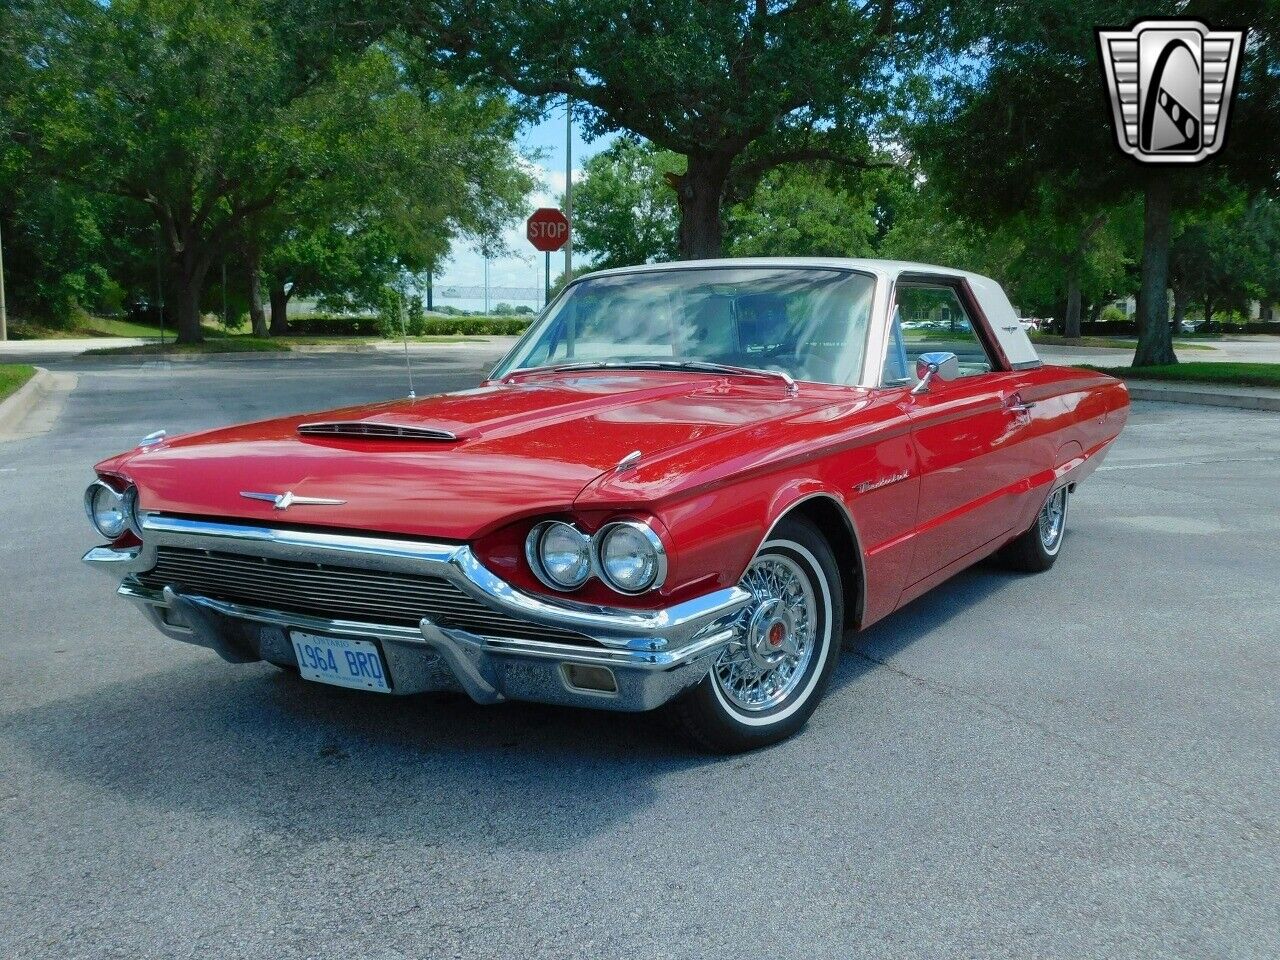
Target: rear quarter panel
x: 1080, y: 413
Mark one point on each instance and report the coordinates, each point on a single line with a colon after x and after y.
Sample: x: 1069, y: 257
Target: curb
x: 14, y: 408
x: 146, y: 359
x: 1239, y: 398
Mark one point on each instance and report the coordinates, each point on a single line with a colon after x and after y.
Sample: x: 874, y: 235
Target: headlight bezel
x: 593, y: 546
x: 132, y: 511
x: 658, y: 573
x: 91, y: 494
x: 533, y: 549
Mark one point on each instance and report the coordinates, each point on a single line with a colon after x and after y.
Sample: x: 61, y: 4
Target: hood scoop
x: 372, y: 430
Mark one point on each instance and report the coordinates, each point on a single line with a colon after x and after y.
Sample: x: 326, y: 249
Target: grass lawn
x: 1120, y: 343
x: 308, y: 341
x: 242, y: 343
x: 89, y: 327
x: 13, y: 376
x: 222, y: 345
x: 1225, y: 374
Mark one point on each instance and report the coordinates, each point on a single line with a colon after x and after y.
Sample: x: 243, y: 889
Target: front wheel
x: 766, y: 683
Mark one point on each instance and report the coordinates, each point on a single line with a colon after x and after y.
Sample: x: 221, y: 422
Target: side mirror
x: 944, y: 366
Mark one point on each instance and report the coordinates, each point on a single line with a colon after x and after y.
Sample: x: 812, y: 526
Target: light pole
x: 568, y: 187
x: 160, y: 282
x: 4, y: 319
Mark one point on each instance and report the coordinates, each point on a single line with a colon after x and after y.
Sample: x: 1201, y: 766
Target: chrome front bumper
x: 651, y: 654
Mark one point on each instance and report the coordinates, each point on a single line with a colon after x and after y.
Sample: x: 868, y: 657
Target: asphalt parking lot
x: 1082, y: 763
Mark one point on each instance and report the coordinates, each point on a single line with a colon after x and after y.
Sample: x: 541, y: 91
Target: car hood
x: 523, y: 448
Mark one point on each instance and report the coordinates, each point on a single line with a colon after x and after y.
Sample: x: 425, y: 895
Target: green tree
x: 1029, y: 115
x: 176, y: 105
x: 624, y: 210
x: 1227, y: 258
x: 804, y: 211
x: 738, y: 88
x: 927, y: 230
x: 398, y: 164
x: 260, y: 128
x: 60, y: 248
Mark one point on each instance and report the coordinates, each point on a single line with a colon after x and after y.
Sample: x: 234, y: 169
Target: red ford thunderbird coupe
x: 681, y: 487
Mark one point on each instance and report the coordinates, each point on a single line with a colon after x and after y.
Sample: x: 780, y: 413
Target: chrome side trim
x: 283, y: 501
x: 660, y: 630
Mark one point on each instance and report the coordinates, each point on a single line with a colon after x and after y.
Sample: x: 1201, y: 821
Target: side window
x: 931, y: 319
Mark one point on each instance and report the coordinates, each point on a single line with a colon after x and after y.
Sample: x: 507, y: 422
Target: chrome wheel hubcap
x: 1052, y: 519
x: 774, y: 638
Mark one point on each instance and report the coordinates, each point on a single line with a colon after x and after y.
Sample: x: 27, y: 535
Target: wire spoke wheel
x: 775, y: 636
x: 1052, y: 519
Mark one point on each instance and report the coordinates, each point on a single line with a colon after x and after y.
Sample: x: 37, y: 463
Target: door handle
x: 1015, y: 404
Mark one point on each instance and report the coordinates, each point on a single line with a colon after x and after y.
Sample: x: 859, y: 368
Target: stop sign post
x: 548, y: 230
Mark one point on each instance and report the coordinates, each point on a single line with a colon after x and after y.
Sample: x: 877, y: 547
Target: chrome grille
x: 375, y: 431
x: 346, y: 593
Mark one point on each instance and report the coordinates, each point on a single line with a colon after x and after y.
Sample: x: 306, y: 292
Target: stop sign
x: 547, y: 229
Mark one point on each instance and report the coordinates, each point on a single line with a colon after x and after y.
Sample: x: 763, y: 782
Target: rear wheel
x: 768, y: 681
x: 1038, y: 548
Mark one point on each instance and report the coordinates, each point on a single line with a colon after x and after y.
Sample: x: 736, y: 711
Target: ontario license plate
x: 339, y: 661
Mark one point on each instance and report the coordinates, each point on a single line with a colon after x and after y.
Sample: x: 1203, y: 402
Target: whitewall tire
x: 767, y: 683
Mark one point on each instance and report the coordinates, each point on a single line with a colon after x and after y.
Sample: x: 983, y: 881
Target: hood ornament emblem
x: 283, y: 501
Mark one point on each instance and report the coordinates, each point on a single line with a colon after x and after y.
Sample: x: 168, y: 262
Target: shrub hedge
x: 320, y: 325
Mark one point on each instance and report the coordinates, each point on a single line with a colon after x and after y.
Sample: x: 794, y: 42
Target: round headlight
x: 560, y: 555
x: 631, y: 557
x: 105, y: 509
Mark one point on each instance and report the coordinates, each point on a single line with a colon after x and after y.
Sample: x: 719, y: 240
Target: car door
x: 970, y: 434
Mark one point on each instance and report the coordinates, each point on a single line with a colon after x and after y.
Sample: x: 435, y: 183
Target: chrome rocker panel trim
x: 653, y: 655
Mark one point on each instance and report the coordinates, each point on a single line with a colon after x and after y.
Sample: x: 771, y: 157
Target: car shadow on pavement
x: 871, y: 648
x: 315, y: 764
x: 264, y: 747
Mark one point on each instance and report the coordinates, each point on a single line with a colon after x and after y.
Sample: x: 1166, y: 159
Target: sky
x: 543, y: 147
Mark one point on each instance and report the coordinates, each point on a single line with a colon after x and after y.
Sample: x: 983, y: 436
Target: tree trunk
x: 699, y: 191
x: 1179, y: 309
x: 257, y: 316
x: 1071, y: 326
x: 279, y: 310
x: 187, y: 285
x: 1155, y: 343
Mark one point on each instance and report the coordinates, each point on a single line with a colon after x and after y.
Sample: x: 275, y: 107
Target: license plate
x: 339, y: 661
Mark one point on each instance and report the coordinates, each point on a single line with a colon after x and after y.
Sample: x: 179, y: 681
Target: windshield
x: 808, y: 323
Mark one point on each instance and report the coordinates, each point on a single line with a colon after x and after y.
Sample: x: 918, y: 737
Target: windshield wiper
x: 578, y: 365
x: 697, y: 366
x: 710, y: 367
